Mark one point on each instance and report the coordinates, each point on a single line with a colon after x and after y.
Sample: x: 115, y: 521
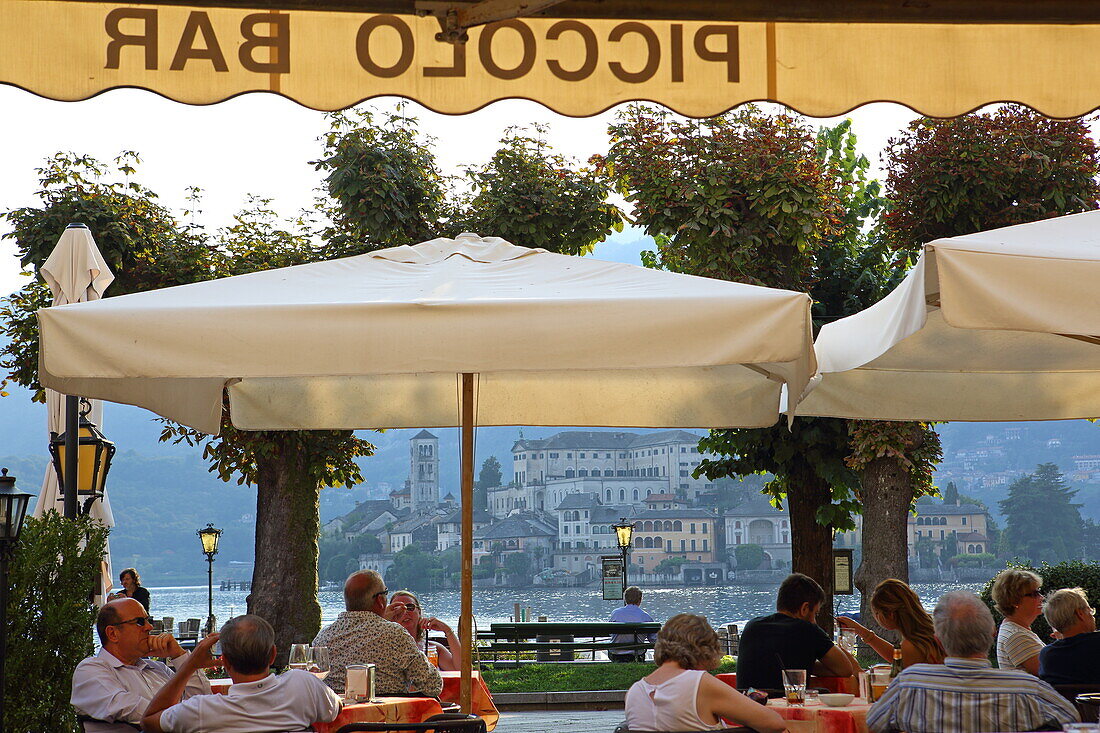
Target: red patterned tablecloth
x: 384, y: 710
x: 818, y: 718
x: 482, y: 700
x: 832, y: 684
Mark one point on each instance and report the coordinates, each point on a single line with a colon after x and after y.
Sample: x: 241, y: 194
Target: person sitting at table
x: 1016, y: 593
x: 897, y: 608
x: 132, y: 588
x: 789, y: 639
x: 257, y: 701
x: 965, y: 694
x: 680, y: 695
x: 1074, y: 658
x: 112, y: 688
x: 414, y: 622
x: 630, y: 612
x: 365, y: 633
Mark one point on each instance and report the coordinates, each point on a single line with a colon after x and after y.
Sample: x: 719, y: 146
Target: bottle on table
x: 895, y: 668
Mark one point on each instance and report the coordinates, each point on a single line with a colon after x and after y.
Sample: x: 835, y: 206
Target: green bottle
x: 895, y: 668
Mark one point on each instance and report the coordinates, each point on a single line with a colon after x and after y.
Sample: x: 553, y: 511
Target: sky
x: 262, y: 144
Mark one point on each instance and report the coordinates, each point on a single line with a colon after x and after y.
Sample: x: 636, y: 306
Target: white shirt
x: 293, y: 701
x: 107, y: 689
x: 667, y: 706
x: 1016, y: 645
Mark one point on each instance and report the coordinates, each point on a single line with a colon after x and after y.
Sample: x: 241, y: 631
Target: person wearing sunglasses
x: 112, y: 688
x: 1016, y: 593
x: 418, y: 625
x: 365, y: 633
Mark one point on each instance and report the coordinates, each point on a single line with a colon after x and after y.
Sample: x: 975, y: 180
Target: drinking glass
x: 319, y: 665
x: 794, y: 685
x: 299, y: 656
x: 880, y: 680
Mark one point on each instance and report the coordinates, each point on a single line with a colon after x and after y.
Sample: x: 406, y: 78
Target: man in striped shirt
x: 965, y: 694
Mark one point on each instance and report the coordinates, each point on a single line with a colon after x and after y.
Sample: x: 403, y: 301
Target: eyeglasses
x: 1034, y: 594
x: 384, y: 591
x: 139, y: 621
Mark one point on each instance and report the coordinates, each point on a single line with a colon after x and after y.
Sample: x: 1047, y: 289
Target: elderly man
x: 630, y: 612
x: 112, y: 688
x: 965, y: 694
x: 258, y: 700
x: 1074, y: 659
x: 363, y: 634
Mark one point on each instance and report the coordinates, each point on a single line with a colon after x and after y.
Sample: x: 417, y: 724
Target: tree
x: 670, y: 566
x: 749, y: 557
x: 518, y: 564
x: 1043, y: 524
x: 412, y: 568
x: 489, y: 477
x: 747, y: 197
x: 951, y: 494
x: 926, y: 553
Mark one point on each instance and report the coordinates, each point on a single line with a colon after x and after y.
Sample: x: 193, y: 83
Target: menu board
x: 612, y: 578
x: 842, y: 573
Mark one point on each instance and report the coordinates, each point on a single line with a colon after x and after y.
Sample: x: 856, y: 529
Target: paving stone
x: 559, y: 721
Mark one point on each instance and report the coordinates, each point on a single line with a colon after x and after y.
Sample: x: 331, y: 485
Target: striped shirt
x: 1016, y: 645
x: 967, y: 696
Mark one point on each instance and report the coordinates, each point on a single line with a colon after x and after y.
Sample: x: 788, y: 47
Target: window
x: 607, y: 472
x: 693, y: 527
x: 607, y: 496
x: 568, y: 455
x: 622, y: 455
x: 564, y: 546
x: 683, y: 474
x: 583, y: 472
x: 565, y: 529
x: 553, y: 455
x: 606, y: 455
x: 638, y: 542
x: 577, y: 529
x: 620, y: 472
x: 705, y: 546
x: 964, y: 520
x: 941, y: 534
x: 581, y: 455
x: 668, y: 545
x: 785, y: 540
x: 684, y: 486
x: 569, y: 473
x: 705, y: 528
x: 622, y: 494
x: 586, y: 514
x: 683, y: 544
x: 693, y: 545
x: 678, y: 526
x: 649, y: 492
x: 635, y: 495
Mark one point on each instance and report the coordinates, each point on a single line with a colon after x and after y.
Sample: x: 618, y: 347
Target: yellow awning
x: 332, y: 60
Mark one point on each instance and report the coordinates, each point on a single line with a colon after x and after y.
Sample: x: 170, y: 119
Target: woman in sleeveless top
x: 680, y: 695
x: 897, y: 608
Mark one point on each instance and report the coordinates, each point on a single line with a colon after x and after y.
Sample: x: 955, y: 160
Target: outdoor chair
x: 1088, y: 704
x: 446, y: 723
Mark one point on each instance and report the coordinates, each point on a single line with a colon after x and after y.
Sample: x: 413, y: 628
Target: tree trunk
x: 812, y: 543
x: 284, y: 580
x: 886, y: 491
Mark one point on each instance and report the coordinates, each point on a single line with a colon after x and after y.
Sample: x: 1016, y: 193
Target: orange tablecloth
x: 818, y: 718
x: 384, y: 710
x: 832, y: 684
x: 482, y: 700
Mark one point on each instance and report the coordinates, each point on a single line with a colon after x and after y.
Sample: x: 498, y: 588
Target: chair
x: 739, y: 729
x: 1088, y: 703
x: 83, y: 719
x: 446, y: 723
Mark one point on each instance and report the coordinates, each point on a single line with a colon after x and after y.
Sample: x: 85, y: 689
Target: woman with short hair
x: 1016, y: 593
x: 681, y: 695
x: 897, y: 608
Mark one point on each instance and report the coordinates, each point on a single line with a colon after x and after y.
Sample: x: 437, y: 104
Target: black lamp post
x: 624, y: 530
x: 13, y: 509
x: 210, y: 536
x: 84, y: 469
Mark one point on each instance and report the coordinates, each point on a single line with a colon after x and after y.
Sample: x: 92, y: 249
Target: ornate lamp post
x: 86, y: 468
x: 210, y: 536
x: 624, y: 530
x: 13, y: 509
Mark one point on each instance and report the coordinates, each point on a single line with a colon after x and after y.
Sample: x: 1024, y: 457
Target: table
x: 819, y: 718
x: 384, y: 710
x: 832, y: 684
x: 482, y: 701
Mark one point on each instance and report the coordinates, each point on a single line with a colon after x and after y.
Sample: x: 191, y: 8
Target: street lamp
x: 13, y: 509
x: 93, y: 452
x: 624, y: 530
x: 209, y: 537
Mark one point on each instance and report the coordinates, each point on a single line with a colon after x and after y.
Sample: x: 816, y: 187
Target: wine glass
x: 299, y: 656
x: 319, y: 665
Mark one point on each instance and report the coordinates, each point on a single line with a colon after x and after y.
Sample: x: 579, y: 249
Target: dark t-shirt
x: 1072, y: 661
x: 768, y: 639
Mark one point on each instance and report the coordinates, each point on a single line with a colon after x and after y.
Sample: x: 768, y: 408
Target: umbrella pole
x: 72, y: 432
x: 465, y: 624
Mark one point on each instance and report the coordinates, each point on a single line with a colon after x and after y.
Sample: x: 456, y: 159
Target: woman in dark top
x: 132, y: 588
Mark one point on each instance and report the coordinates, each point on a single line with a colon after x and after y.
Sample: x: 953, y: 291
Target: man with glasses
x: 112, y: 689
x: 365, y: 633
x: 1074, y: 659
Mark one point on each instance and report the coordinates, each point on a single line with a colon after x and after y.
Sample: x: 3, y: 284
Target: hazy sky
x: 261, y: 144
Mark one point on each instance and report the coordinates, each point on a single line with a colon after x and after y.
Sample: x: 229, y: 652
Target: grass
x: 573, y: 677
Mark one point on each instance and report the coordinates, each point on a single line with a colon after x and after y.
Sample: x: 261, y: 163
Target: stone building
x: 423, y: 481
x: 757, y: 522
x: 967, y: 524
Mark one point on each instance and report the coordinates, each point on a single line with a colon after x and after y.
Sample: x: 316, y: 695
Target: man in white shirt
x: 257, y: 700
x: 112, y: 689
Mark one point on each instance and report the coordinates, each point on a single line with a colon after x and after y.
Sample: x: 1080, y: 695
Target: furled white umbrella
x: 76, y: 273
x: 997, y: 325
x: 413, y: 336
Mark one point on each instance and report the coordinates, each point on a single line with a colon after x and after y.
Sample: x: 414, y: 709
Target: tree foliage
x: 1043, y: 524
x: 749, y: 556
x: 982, y: 171
x: 490, y: 476
x: 50, y: 618
x: 915, y: 446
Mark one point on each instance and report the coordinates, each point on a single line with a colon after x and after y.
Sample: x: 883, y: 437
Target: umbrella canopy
x: 76, y: 273
x: 376, y: 340
x: 998, y: 325
x: 698, y: 58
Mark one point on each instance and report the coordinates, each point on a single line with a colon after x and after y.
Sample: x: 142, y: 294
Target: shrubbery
x: 1073, y: 574
x: 50, y: 619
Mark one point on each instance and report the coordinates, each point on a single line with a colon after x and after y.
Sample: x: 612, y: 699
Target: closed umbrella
x: 75, y: 272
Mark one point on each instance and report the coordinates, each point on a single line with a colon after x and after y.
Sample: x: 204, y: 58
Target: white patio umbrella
x: 997, y: 325
x: 413, y: 336
x: 75, y: 272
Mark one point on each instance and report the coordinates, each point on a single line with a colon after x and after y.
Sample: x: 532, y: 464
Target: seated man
x: 965, y: 694
x: 1074, y: 659
x: 258, y: 700
x: 114, y: 686
x: 789, y: 639
x: 363, y: 635
x: 630, y: 612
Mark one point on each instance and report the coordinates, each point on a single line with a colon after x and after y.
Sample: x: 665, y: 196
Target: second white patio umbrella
x: 993, y: 326
x: 415, y: 336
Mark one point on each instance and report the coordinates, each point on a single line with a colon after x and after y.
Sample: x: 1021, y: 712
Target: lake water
x: 724, y: 604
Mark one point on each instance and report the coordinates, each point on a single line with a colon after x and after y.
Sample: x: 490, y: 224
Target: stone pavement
x: 559, y: 721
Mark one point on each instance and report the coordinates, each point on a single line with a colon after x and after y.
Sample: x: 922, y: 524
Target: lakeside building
x: 965, y: 524
x: 758, y: 522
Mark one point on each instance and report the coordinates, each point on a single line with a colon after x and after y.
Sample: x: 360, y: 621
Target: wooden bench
x: 558, y: 641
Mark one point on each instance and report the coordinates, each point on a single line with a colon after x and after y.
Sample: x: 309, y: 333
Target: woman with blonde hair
x: 414, y: 621
x: 897, y: 608
x: 1016, y: 593
x: 680, y: 694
